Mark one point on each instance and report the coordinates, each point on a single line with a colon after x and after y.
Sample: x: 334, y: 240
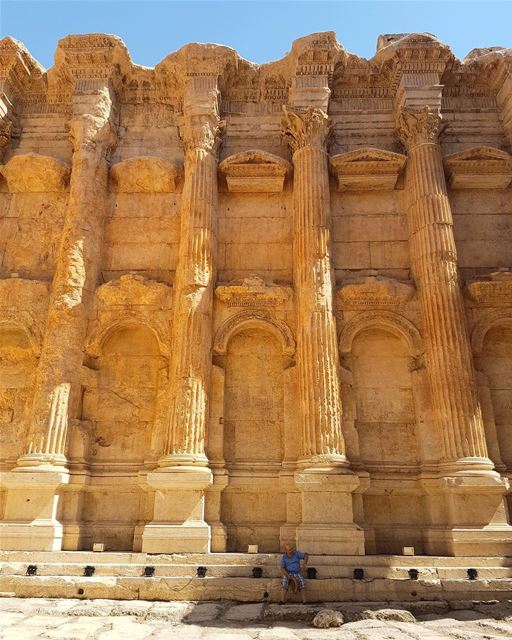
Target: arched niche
x: 254, y: 319
x: 253, y: 505
x: 493, y: 344
x: 379, y: 349
x: 120, y: 405
x: 18, y: 363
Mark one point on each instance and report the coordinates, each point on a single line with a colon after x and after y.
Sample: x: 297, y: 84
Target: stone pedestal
x: 467, y: 515
x: 178, y: 524
x: 327, y: 525
x: 30, y: 520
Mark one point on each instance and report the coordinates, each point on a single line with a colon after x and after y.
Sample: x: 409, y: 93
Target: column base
x: 327, y: 525
x: 178, y: 524
x: 467, y: 515
x: 30, y: 521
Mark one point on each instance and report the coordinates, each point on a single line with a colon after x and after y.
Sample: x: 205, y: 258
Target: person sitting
x: 290, y: 568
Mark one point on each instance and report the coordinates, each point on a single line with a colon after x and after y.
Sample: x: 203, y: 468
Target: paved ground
x: 25, y: 619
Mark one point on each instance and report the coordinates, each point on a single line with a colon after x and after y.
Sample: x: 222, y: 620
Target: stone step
x: 242, y: 571
x: 253, y: 590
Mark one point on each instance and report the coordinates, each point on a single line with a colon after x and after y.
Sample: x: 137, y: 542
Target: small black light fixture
x: 32, y: 570
x: 311, y: 573
x: 358, y: 574
x: 89, y: 571
x: 413, y: 574
x: 472, y: 574
x: 149, y: 571
x: 257, y: 572
x: 201, y: 572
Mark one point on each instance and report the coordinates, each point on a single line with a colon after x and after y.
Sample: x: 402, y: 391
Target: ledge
x: 479, y: 168
x: 33, y: 173
x: 494, y: 290
x: 144, y: 174
x: 255, y: 172
x: 367, y: 169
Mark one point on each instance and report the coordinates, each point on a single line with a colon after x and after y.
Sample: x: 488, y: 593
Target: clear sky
x: 260, y: 31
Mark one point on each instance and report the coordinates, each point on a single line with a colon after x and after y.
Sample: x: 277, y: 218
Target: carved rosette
x: 309, y: 128
x: 419, y: 126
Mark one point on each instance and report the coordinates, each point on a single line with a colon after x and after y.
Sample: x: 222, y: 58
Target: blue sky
x: 260, y: 31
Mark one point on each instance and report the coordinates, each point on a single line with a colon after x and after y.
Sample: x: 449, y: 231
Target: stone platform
x: 120, y: 576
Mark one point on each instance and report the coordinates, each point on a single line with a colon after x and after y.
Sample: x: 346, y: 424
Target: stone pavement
x: 27, y: 619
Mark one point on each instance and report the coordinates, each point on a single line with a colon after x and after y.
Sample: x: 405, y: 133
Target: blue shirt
x: 292, y: 563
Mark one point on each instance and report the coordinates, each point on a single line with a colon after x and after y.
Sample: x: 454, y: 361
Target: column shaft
x: 192, y: 331
x: 75, y: 279
x: 434, y: 260
x: 317, y: 350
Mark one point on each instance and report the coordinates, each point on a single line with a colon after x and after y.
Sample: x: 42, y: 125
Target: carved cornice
x: 375, y: 292
x: 255, y: 171
x: 367, y: 169
x: 17, y: 67
x: 418, y: 126
x: 493, y: 291
x: 130, y: 290
x: 32, y: 172
x: 253, y: 292
x: 308, y: 128
x: 144, y: 174
x: 479, y: 168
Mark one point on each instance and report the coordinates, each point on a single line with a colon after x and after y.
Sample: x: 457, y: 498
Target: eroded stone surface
x: 251, y: 304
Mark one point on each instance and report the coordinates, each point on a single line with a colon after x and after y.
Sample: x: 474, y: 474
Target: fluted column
x: 434, y: 260
x: 317, y: 352
x: 194, y: 282
x: 74, y: 282
x: 182, y: 476
x: 464, y: 495
x: 324, y: 480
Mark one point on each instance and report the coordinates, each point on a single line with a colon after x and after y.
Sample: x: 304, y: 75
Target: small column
x: 183, y: 475
x: 325, y: 481
x: 35, y: 485
x: 469, y: 494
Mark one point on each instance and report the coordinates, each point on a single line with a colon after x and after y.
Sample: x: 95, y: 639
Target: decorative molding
x: 108, y: 325
x: 479, y: 168
x: 24, y: 303
x: 490, y: 319
x: 418, y: 126
x: 367, y: 169
x: 253, y: 292
x: 389, y: 321
x: 495, y: 290
x: 259, y: 319
x: 34, y: 173
x: 307, y: 128
x: 375, y: 292
x: 145, y: 174
x: 255, y: 171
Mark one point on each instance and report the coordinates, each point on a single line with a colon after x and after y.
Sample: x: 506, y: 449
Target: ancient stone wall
x: 252, y: 304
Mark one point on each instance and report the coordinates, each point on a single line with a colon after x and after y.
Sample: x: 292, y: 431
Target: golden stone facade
x: 253, y: 304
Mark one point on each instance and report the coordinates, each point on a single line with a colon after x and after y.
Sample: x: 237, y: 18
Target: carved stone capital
x: 309, y: 128
x: 92, y: 134
x: 418, y: 126
x: 202, y: 132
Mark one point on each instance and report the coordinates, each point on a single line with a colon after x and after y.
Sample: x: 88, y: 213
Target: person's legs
x: 285, y: 583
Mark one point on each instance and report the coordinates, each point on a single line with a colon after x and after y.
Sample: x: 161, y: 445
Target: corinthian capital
x: 202, y: 132
x: 309, y: 128
x: 93, y: 134
x: 418, y: 126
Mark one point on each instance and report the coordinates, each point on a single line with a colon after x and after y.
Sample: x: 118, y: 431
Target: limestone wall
x: 250, y: 304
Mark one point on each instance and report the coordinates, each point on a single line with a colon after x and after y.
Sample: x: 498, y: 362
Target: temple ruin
x: 250, y: 304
